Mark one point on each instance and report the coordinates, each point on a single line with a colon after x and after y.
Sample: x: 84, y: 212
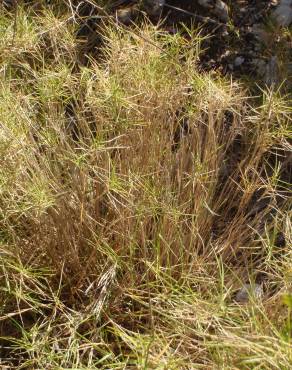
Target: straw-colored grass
x: 137, y: 195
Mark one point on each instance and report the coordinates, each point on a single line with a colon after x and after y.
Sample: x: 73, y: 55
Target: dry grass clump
x: 136, y: 196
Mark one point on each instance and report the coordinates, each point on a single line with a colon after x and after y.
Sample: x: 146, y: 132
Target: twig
x: 200, y: 17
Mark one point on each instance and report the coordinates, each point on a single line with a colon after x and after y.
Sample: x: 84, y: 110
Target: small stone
x: 226, y: 53
x: 259, y: 32
x: 221, y: 11
x: 283, y: 13
x: 238, y: 61
x: 249, y: 291
x: 217, y: 7
x: 153, y: 8
x: 224, y: 33
x: 272, y: 72
x: 127, y: 15
x: 260, y: 66
x: 206, y: 3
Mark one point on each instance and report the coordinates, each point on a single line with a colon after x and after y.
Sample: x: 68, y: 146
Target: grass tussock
x: 137, y: 194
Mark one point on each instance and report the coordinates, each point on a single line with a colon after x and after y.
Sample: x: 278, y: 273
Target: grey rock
x: 259, y: 32
x: 217, y: 7
x: 206, y: 3
x: 127, y: 15
x: 249, y: 291
x: 230, y: 66
x: 283, y: 13
x: 221, y: 10
x: 260, y: 66
x: 238, y: 61
x: 272, y: 72
x: 153, y: 8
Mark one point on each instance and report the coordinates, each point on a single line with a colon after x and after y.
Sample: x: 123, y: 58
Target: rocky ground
x: 246, y: 38
x: 249, y: 39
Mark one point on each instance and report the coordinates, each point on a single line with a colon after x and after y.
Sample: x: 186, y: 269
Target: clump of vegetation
x: 137, y: 195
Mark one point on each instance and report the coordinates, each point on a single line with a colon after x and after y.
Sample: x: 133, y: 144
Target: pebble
x: 283, y: 13
x: 217, y: 7
x: 260, y: 66
x: 272, y: 71
x: 238, y: 61
x: 126, y: 15
x: 206, y: 3
x: 221, y: 10
x: 153, y: 8
x: 249, y: 291
x: 259, y: 32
